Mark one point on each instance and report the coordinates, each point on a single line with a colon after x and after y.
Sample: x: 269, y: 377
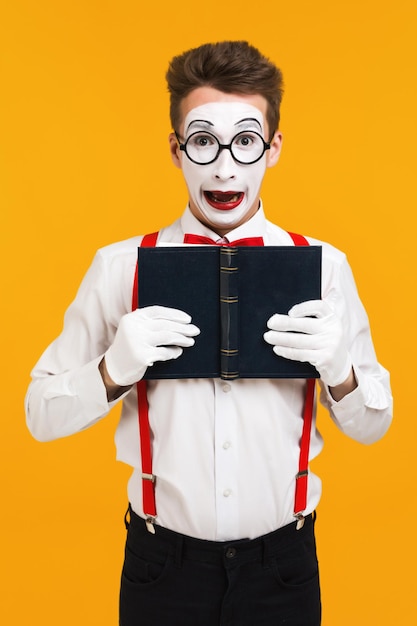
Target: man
x: 222, y: 545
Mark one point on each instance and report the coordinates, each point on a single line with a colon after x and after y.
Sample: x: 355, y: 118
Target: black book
x: 230, y: 293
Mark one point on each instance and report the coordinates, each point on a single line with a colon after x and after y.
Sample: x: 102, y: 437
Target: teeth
x: 224, y: 197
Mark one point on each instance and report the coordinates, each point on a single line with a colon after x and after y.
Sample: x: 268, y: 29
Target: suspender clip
x: 300, y: 520
x: 150, y: 524
x: 301, y: 474
x: 150, y: 477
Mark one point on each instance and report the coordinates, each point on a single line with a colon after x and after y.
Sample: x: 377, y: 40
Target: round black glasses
x: 203, y: 148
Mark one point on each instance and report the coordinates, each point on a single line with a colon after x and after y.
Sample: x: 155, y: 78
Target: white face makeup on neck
x: 224, y: 194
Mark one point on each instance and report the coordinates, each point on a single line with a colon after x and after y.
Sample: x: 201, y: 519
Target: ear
x: 174, y: 150
x: 272, y: 156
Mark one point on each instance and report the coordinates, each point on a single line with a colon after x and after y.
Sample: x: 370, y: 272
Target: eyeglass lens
x: 246, y: 147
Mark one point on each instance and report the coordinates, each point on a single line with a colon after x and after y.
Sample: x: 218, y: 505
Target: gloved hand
x: 317, y: 338
x: 144, y: 336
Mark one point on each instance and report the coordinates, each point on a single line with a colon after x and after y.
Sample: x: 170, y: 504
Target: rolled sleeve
x: 365, y: 414
x: 58, y: 406
x: 67, y: 393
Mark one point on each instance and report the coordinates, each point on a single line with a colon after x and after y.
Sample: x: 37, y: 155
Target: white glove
x: 316, y: 336
x: 144, y: 336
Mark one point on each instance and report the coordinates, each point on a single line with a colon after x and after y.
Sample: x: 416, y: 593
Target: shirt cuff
x: 91, y: 391
x: 352, y: 401
x: 368, y: 400
x: 88, y: 386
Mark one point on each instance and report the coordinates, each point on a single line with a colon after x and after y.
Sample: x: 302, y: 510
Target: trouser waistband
x: 216, y: 551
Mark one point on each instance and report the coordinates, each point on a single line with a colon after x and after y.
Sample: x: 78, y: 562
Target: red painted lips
x: 224, y: 200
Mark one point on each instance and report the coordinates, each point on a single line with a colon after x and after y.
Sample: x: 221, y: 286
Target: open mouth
x: 224, y: 200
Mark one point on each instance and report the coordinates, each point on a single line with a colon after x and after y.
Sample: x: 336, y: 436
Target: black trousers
x: 170, y: 579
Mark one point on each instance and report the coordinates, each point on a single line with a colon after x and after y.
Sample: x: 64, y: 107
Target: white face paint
x: 224, y: 194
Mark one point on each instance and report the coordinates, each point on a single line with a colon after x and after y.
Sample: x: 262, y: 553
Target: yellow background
x: 84, y: 162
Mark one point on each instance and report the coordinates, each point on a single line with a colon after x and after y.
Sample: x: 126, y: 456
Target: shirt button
x: 226, y: 445
x: 226, y: 387
x: 227, y: 493
x: 231, y: 553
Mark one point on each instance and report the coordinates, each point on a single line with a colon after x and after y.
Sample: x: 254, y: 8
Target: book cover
x: 230, y: 294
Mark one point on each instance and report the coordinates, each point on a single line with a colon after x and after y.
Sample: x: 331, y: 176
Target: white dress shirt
x: 225, y: 454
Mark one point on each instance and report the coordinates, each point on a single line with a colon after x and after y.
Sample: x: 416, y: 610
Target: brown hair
x: 229, y: 66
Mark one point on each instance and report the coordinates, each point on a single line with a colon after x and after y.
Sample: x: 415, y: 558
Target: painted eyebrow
x: 204, y: 122
x: 249, y: 119
x: 245, y: 120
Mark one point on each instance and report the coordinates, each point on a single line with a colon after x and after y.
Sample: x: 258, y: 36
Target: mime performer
x: 222, y: 543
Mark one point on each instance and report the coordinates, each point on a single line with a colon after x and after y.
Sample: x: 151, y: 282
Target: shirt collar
x: 255, y: 227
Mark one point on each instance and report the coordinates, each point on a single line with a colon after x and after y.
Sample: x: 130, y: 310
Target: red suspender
x: 148, y: 479
x: 298, y: 240
x: 301, y: 479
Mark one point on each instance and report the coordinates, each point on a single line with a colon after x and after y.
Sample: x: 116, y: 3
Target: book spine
x: 229, y: 310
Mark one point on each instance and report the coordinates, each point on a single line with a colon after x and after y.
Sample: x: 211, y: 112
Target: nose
x: 224, y: 166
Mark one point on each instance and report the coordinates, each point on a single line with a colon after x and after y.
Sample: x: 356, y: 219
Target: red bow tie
x: 247, y: 241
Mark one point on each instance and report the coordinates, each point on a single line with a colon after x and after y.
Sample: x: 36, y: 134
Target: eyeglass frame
x: 222, y: 146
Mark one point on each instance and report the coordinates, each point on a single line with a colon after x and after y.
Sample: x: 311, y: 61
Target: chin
x: 223, y: 220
